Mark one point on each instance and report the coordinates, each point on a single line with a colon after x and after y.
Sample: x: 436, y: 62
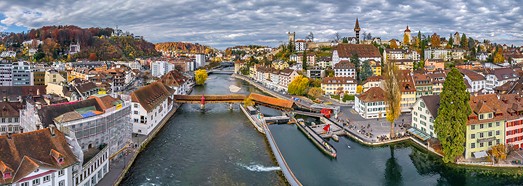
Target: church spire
x: 357, y: 25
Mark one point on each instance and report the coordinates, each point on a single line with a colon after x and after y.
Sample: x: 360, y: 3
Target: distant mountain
x: 173, y: 48
x: 51, y: 43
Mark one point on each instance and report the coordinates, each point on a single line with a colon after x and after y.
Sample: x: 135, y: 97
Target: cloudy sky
x: 223, y: 23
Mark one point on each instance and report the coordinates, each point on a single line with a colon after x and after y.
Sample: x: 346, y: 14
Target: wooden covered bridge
x: 236, y: 98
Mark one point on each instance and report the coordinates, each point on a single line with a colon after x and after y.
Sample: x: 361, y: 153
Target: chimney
x: 51, y: 129
x: 8, y: 135
x: 21, y: 130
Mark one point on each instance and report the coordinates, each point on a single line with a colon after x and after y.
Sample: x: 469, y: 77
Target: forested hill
x: 183, y: 48
x: 51, y: 43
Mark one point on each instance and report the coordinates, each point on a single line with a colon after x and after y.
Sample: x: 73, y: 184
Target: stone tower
x: 407, y: 32
x: 292, y: 37
x: 357, y: 30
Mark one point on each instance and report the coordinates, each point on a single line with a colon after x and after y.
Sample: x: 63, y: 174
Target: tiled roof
x: 504, y: 73
x: 486, y: 103
x: 432, y: 104
x: 362, y: 50
x: 344, y: 64
x: 10, y: 91
x: 373, y: 79
x: 338, y: 80
x: 270, y: 100
x: 150, y: 96
x: 421, y: 79
x: 85, y: 87
x: 10, y: 109
x: 474, y: 76
x: 374, y: 94
x: 26, y: 152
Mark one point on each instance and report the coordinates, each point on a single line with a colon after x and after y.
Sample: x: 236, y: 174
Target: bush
x: 336, y: 97
x: 347, y: 97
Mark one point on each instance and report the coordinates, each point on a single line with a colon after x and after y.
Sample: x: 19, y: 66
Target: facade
x: 408, y: 92
x: 438, y: 53
x: 485, y: 125
x: 93, y: 170
x: 424, y: 112
x: 345, y: 69
x: 43, y: 157
x: 160, y: 68
x: 404, y: 64
x: 38, y: 76
x: 498, y: 77
x: 376, y: 68
x: 10, y: 117
x: 6, y: 73
x: 53, y: 76
x: 514, y: 121
x: 476, y: 80
x: 437, y: 78
x: 150, y: 104
x: 200, y: 60
x: 338, y: 85
x: 22, y: 75
x: 373, y: 81
x: 371, y: 104
x: 423, y: 84
x: 432, y: 65
x: 301, y: 45
x: 286, y: 77
x: 315, y: 73
x: 363, y: 51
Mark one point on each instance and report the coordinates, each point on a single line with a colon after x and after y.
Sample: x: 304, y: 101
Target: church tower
x: 409, y: 37
x: 357, y: 30
x: 292, y: 37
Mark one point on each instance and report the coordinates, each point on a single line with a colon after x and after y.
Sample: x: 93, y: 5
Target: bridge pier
x: 230, y: 106
x: 202, y: 106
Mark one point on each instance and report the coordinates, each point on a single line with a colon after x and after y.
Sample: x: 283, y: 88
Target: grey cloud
x: 224, y: 23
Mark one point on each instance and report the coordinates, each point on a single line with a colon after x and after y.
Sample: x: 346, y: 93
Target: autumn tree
x: 464, y: 41
x: 200, y: 76
x: 499, y: 152
x: 435, y: 40
x: 406, y: 40
x: 315, y: 92
x: 498, y: 55
x: 248, y: 102
x: 391, y: 84
x: 451, y: 122
x: 92, y: 57
x: 393, y: 44
x: 299, y: 86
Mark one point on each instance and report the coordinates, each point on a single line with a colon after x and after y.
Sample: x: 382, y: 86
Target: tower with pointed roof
x: 357, y: 30
x: 407, y: 33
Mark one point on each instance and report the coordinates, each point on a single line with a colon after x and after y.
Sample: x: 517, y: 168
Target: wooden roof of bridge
x: 272, y: 101
x: 210, y: 97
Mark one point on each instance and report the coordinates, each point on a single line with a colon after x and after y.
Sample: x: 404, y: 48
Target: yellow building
x: 376, y: 68
x: 408, y: 92
x: 39, y: 77
x: 280, y: 65
x: 80, y: 73
x: 485, y: 125
x: 53, y: 76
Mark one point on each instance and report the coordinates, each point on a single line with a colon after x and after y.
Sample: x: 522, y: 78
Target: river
x: 220, y: 147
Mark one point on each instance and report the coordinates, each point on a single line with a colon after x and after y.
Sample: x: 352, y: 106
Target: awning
x: 480, y: 154
x: 419, y: 134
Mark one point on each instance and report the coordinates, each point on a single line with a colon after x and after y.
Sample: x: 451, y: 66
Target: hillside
x: 52, y: 43
x: 183, y: 48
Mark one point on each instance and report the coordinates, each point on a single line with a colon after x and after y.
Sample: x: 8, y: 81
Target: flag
x: 327, y: 127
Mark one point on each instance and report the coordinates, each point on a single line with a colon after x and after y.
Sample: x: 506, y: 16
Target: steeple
x: 357, y: 30
x: 357, y: 26
x: 407, y: 29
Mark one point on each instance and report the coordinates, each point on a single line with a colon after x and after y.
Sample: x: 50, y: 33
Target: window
x: 47, y: 178
x: 36, y: 181
x: 490, y: 133
x: 61, y: 172
x: 481, y: 126
x: 135, y: 112
x: 481, y: 116
x: 490, y: 143
x: 422, y: 105
x: 472, y: 127
x: 497, y: 132
x: 480, y: 144
x: 497, y: 124
x: 490, y: 115
x: 472, y: 145
x: 489, y: 125
x: 481, y: 135
x: 472, y: 136
x: 25, y: 184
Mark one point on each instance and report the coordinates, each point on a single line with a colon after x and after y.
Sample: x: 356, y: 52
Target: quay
x: 256, y: 122
x: 277, y: 119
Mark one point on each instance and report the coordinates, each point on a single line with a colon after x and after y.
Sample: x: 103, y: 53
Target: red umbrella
x: 327, y: 127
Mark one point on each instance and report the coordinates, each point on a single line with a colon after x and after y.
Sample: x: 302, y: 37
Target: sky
x: 224, y: 23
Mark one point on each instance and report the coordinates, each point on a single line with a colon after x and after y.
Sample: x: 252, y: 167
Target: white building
x: 6, y: 73
x: 93, y: 170
x: 335, y: 85
x: 22, y: 75
x: 438, y: 53
x: 44, y: 157
x: 10, y: 117
x: 286, y: 77
x: 301, y: 45
x: 150, y: 105
x: 6, y: 54
x: 476, y: 81
x: 499, y: 76
x: 424, y: 112
x: 160, y: 68
x: 200, y: 60
x: 371, y: 104
x: 345, y: 68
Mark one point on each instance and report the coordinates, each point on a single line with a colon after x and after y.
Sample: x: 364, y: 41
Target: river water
x: 221, y: 147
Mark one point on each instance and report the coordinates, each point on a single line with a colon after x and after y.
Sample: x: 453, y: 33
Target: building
x: 22, y: 75
x: 286, y: 77
x: 432, y: 65
x: 438, y: 53
x: 376, y: 68
x: 176, y: 81
x: 357, y: 30
x: 408, y: 92
x: 458, y: 53
x: 38, y: 76
x: 200, y: 60
x: 345, y: 69
x: 10, y: 117
x: 514, y: 122
x: 150, y: 105
x: 160, y: 68
x: 339, y: 85
x: 301, y: 45
x: 6, y: 73
x: 404, y: 64
x: 423, y: 84
x: 371, y: 104
x: 315, y: 73
x: 42, y: 157
x: 499, y: 76
x: 311, y: 59
x: 393, y: 54
x: 325, y: 62
x: 424, y: 112
x: 54, y: 76
x: 373, y: 81
x: 485, y: 125
x: 407, y: 33
x: 363, y: 51
x: 437, y: 78
x: 476, y: 80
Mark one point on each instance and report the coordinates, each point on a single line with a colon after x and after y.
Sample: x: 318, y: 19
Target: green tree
x: 450, y: 43
x: 299, y: 86
x: 451, y: 122
x: 366, y: 71
x: 464, y: 41
x: 315, y: 82
x: 200, y: 76
x: 356, y: 61
x: 391, y: 86
x: 304, y: 61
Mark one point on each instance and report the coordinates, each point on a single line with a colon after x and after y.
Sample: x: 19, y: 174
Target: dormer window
x: 481, y: 116
x: 490, y: 115
x: 7, y: 175
x: 60, y: 160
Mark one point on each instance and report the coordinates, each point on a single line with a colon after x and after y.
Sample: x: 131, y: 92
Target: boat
x: 234, y: 88
x: 335, y: 137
